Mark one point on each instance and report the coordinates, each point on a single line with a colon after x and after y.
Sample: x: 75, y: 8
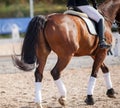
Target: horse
x: 67, y: 36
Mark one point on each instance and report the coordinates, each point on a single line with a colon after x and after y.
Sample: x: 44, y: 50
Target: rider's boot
x: 102, y: 43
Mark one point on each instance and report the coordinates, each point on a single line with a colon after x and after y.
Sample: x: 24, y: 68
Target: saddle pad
x: 90, y: 24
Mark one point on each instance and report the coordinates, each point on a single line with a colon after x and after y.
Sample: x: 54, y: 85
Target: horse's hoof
x: 62, y: 101
x: 38, y: 105
x: 111, y: 93
x: 89, y: 100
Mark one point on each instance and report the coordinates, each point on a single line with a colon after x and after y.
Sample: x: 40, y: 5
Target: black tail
x: 28, y: 55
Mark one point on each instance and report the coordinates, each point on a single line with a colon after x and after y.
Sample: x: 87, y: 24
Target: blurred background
x: 20, y: 8
x: 19, y: 12
x: 11, y: 10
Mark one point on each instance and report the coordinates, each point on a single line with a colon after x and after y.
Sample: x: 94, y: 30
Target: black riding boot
x: 102, y: 43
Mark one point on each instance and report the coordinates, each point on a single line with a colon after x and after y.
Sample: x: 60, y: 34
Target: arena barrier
x: 6, y: 24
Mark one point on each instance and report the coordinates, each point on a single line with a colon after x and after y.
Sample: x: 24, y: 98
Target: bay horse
x: 67, y: 36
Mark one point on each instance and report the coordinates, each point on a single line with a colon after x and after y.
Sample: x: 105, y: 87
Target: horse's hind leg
x: 60, y: 65
x: 110, y: 91
x: 42, y: 57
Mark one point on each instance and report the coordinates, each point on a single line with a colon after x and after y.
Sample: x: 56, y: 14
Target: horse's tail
x: 28, y: 55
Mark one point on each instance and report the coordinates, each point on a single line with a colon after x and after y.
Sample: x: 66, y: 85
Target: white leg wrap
x: 108, y: 80
x: 91, y: 85
x: 61, y: 87
x: 38, y: 97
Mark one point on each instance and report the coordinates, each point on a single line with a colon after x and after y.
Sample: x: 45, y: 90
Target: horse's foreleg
x: 60, y: 65
x: 91, y: 84
x: 110, y: 91
x: 98, y: 60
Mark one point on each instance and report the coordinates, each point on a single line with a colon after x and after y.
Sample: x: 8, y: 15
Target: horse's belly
x: 84, y: 52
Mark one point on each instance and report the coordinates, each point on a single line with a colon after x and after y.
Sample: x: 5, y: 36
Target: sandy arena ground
x: 17, y: 87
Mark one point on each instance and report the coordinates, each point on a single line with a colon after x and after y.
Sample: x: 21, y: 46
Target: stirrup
x: 104, y: 45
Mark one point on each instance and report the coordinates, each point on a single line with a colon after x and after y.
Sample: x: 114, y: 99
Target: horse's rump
x: 69, y: 34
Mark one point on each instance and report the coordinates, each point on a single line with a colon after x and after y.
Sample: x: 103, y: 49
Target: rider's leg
x: 96, y: 16
x: 100, y: 29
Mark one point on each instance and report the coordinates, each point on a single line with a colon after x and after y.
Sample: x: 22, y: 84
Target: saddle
x: 91, y: 25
